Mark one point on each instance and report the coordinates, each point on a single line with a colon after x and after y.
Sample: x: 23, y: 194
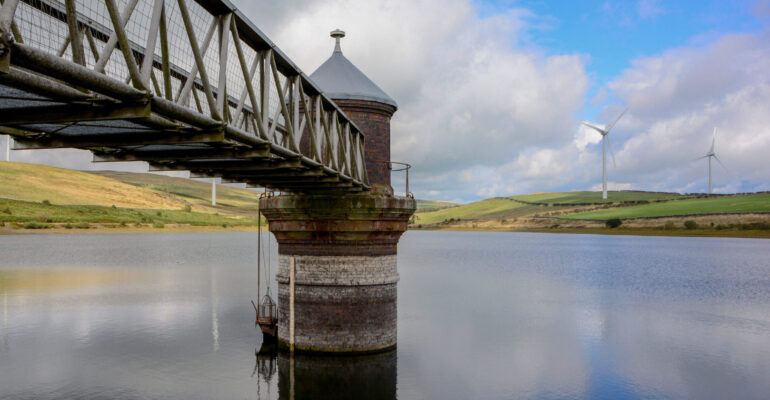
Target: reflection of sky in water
x: 496, y: 315
x: 481, y: 315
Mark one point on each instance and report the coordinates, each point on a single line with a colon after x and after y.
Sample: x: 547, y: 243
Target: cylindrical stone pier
x: 343, y: 252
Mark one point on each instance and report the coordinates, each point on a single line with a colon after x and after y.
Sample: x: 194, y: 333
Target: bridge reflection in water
x: 327, y: 377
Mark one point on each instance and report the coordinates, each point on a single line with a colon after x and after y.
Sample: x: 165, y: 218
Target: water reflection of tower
x: 337, y: 377
x: 265, y: 368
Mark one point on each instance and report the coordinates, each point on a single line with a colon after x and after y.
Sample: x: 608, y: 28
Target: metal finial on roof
x: 338, y: 78
x: 337, y: 35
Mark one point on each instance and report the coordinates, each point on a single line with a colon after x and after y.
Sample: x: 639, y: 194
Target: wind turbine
x: 605, y: 143
x: 710, y: 154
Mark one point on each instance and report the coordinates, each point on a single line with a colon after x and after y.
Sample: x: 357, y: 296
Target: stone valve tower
x: 337, y: 273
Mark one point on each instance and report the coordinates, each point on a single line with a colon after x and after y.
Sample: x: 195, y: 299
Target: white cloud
x: 678, y: 97
x: 675, y: 101
x: 470, y: 98
x: 585, y: 136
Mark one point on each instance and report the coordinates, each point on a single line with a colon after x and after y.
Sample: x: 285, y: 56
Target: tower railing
x: 395, y: 166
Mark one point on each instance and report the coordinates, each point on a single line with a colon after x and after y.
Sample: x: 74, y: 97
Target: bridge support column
x: 345, y: 272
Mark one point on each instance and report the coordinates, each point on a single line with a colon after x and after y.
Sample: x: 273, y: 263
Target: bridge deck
x: 87, y: 84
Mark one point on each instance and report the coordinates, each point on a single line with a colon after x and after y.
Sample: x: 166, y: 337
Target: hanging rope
x: 268, y: 258
x: 259, y: 262
x: 262, y: 253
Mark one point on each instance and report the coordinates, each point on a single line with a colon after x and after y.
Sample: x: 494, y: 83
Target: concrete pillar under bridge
x: 341, y: 253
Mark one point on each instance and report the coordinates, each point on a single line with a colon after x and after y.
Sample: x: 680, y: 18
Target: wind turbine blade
x: 616, y: 120
x: 700, y: 158
x: 720, y: 163
x: 594, y: 127
x: 609, y: 144
x: 713, y: 139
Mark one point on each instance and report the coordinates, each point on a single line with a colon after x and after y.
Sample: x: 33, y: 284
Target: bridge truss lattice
x: 181, y: 84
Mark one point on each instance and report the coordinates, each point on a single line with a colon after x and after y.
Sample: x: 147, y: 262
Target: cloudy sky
x: 491, y: 93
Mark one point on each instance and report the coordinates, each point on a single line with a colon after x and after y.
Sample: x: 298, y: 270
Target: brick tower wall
x: 373, y: 118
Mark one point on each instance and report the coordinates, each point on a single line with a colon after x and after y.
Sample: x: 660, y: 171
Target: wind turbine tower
x: 605, y: 143
x: 710, y: 154
x: 213, y: 191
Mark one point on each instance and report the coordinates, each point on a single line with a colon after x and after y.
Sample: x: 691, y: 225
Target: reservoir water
x: 481, y: 316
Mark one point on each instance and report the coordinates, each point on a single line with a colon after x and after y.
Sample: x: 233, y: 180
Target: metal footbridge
x: 189, y: 85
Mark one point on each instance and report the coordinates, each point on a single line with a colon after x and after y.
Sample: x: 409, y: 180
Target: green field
x: 585, y: 197
x: 495, y: 208
x: 33, y: 214
x: 723, y: 204
x: 433, y: 205
x: 500, y: 210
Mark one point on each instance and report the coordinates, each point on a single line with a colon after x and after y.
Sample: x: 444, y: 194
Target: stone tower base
x: 337, y: 272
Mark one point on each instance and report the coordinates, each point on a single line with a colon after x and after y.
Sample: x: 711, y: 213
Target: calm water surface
x: 481, y: 316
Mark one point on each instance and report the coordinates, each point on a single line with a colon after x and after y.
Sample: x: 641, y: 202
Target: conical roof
x: 338, y: 78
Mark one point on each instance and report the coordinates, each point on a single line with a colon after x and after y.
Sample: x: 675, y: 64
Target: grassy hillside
x: 433, y: 205
x: 196, y: 192
x: 574, y: 209
x: 585, y: 197
x: 37, y: 196
x: 32, y: 182
x: 31, y: 214
x: 723, y: 204
x: 495, y: 208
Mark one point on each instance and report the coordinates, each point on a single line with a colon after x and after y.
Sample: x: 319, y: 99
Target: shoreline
x: 101, y: 230
x: 726, y: 233
x: 701, y: 232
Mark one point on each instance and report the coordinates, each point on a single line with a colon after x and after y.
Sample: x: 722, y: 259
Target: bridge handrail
x: 299, y: 120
